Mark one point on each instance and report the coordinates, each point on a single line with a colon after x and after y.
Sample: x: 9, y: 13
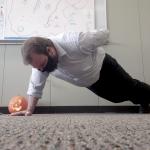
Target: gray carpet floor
x: 75, y: 132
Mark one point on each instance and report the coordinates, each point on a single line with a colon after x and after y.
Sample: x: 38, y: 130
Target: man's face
x: 45, y: 62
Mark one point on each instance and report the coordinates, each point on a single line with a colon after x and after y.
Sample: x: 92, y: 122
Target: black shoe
x: 144, y: 108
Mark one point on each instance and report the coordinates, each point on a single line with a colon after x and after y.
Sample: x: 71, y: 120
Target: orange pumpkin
x: 17, y: 103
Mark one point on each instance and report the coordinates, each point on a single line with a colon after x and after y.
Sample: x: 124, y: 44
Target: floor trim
x: 80, y: 109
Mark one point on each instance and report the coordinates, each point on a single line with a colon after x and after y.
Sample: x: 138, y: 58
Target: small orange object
x: 17, y: 103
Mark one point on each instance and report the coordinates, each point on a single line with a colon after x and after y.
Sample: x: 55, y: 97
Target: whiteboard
x: 21, y: 19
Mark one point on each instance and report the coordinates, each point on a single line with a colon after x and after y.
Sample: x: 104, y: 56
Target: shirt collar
x: 61, y: 52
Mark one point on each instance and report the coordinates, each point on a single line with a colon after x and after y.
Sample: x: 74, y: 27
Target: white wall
x: 145, y: 36
x: 2, y: 48
x: 128, y: 22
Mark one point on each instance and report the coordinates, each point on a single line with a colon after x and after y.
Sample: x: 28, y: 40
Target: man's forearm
x: 32, y: 102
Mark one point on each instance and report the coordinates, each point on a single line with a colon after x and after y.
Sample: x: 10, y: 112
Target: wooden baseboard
x: 80, y: 109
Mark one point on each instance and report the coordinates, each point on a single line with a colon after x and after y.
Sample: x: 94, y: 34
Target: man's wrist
x: 32, y: 101
x: 30, y: 110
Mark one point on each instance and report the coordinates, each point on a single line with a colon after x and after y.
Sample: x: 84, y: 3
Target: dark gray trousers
x: 116, y: 85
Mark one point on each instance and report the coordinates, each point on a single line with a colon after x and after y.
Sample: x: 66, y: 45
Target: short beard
x: 51, y: 64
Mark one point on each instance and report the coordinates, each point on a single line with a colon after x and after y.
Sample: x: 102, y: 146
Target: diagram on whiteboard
x: 26, y: 18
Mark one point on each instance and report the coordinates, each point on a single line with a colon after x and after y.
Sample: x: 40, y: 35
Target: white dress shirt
x: 80, y: 58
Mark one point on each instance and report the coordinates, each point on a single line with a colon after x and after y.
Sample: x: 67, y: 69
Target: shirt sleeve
x: 89, y: 41
x: 37, y: 83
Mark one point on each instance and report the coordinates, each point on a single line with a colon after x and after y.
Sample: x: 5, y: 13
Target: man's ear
x: 51, y: 51
x: 48, y: 49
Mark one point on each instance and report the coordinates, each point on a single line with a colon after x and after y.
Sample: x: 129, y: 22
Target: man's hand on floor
x: 22, y: 113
